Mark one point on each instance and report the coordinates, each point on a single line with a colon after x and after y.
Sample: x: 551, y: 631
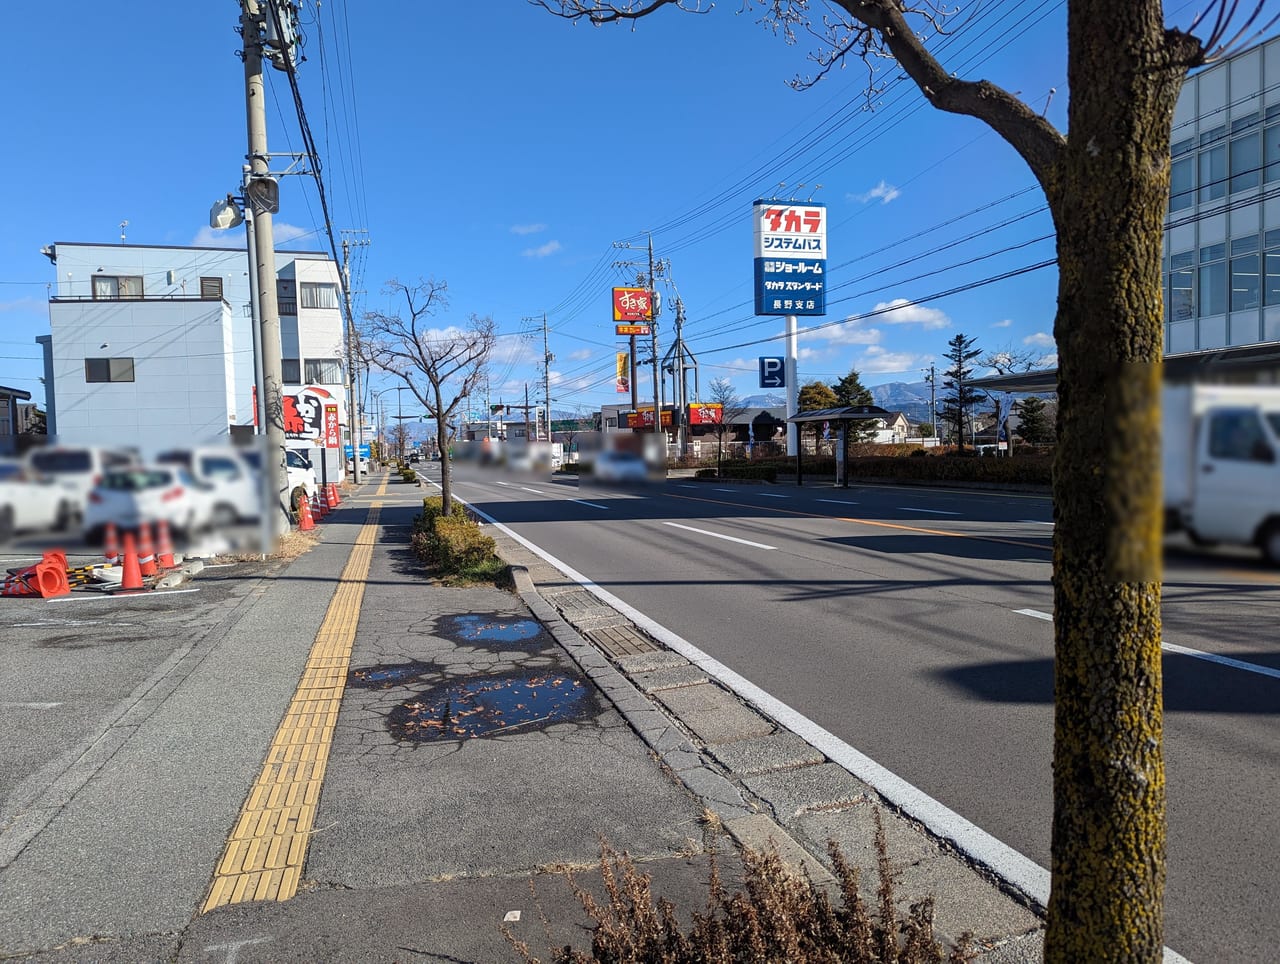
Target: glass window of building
x: 1246, y: 283
x: 1182, y: 302
x: 1182, y: 184
x: 291, y: 371
x: 323, y: 371
x: 1271, y: 152
x: 1213, y: 280
x: 286, y: 297
x: 108, y: 369
x: 114, y: 287
x: 1213, y: 173
x: 1271, y: 268
x: 318, y: 295
x: 1246, y: 161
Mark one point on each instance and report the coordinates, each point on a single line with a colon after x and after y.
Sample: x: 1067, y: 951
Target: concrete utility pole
x: 933, y: 399
x: 793, y: 390
x: 251, y: 31
x: 354, y: 394
x: 547, y: 359
x: 657, y: 379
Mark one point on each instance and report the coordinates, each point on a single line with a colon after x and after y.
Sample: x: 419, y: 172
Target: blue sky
x: 506, y: 151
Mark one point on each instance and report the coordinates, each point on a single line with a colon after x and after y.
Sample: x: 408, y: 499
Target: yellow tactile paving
x: 264, y: 855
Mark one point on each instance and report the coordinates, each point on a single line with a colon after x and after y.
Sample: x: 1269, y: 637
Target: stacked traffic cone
x: 131, y: 577
x: 305, y: 521
x: 111, y: 545
x: 334, y: 499
x: 146, y: 550
x: 164, y: 545
x: 325, y: 505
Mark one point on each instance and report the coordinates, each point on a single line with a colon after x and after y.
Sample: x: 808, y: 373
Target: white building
x: 1222, y: 232
x: 153, y: 347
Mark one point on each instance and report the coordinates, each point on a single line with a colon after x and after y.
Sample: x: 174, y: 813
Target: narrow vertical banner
x: 623, y: 376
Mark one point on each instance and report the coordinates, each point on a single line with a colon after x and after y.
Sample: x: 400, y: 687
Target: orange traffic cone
x: 47, y: 578
x: 323, y: 498
x: 131, y: 578
x: 305, y: 522
x: 146, y: 550
x: 164, y: 545
x: 334, y: 499
x: 111, y: 545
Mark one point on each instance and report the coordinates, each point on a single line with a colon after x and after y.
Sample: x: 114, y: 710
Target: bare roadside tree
x: 731, y: 409
x: 440, y: 366
x: 1107, y: 187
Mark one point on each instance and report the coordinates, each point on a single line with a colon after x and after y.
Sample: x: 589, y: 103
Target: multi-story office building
x: 1222, y: 231
x: 153, y: 347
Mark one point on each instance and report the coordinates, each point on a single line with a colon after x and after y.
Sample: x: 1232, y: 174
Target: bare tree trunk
x: 1108, y: 200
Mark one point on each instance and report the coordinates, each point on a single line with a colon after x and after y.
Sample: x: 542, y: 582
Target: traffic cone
x: 319, y: 507
x: 164, y: 545
x: 47, y: 578
x: 323, y: 496
x: 146, y: 550
x: 305, y: 522
x: 131, y: 578
x: 334, y: 499
x: 111, y: 545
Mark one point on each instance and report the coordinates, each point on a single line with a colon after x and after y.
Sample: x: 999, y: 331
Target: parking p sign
x: 773, y: 373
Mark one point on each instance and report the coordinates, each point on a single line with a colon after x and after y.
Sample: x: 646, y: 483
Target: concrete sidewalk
x: 480, y: 740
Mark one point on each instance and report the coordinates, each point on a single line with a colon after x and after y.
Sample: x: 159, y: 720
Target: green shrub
x: 705, y: 474
x: 453, y: 547
x: 746, y: 470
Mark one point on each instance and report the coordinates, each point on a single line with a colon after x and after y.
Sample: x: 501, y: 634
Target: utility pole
x: 657, y: 380
x: 547, y: 359
x: 354, y: 394
x: 933, y: 400
x: 526, y: 412
x: 252, y: 24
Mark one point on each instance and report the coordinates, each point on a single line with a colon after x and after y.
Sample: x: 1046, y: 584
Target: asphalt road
x: 913, y: 623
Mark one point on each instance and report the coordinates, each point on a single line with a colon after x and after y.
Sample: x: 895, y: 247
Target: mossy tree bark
x: 1107, y: 187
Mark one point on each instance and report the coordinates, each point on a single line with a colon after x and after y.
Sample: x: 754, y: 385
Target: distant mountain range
x: 909, y: 397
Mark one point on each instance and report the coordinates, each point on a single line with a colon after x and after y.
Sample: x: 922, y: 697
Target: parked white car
x: 30, y: 502
x: 301, y: 475
x: 233, y: 484
x: 77, y: 468
x: 147, y: 493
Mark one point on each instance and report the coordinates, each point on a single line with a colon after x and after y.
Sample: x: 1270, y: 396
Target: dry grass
x: 778, y: 916
x: 291, y: 545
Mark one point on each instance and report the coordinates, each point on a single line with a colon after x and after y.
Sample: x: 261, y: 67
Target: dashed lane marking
x: 717, y: 535
x: 264, y: 856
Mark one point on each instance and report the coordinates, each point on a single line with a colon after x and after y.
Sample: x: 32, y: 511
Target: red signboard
x: 303, y: 414
x: 632, y: 304
x: 623, y: 330
x: 705, y: 414
x: 644, y: 418
x: 332, y: 431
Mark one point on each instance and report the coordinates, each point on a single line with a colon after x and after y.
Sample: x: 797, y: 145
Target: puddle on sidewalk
x: 387, y: 675
x: 491, y: 705
x: 490, y: 628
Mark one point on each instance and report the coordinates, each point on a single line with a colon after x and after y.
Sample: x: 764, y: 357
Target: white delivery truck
x: 1222, y: 464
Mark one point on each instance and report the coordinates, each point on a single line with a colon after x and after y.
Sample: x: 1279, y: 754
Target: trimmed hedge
x: 453, y: 547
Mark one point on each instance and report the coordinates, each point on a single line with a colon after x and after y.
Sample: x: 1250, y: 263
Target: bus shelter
x: 839, y: 419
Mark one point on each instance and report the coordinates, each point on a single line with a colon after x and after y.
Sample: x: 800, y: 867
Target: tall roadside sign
x: 790, y: 276
x: 632, y: 316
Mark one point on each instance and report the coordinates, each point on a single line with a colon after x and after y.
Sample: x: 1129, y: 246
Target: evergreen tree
x: 850, y: 391
x: 814, y: 396
x: 962, y: 396
x: 1034, y: 425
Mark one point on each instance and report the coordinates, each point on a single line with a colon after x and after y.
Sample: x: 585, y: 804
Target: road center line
x: 907, y: 508
x: 717, y: 535
x: 1186, y: 651
x: 836, y: 501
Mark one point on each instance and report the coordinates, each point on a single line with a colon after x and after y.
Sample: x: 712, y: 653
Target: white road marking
x: 534, y: 491
x: 126, y: 594
x: 1035, y: 522
x: 724, y: 490
x: 1187, y: 651
x: 717, y: 535
x: 771, y: 495
x: 907, y: 508
x: 501, y: 483
x: 837, y: 502
x: 686, y: 485
x: 30, y: 706
x: 594, y: 505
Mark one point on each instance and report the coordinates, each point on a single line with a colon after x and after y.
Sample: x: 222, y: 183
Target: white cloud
x: 899, y: 311
x: 282, y: 232
x: 851, y: 332
x: 1003, y: 324
x: 527, y: 228
x: 542, y: 251
x: 876, y: 360
x: 884, y: 191
x: 582, y: 354
x: 1040, y: 340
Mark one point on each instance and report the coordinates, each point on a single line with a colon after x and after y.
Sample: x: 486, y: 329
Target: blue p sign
x: 773, y: 373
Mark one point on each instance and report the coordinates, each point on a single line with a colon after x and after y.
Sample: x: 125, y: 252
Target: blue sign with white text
x: 773, y: 372
x: 790, y: 286
x: 364, y: 451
